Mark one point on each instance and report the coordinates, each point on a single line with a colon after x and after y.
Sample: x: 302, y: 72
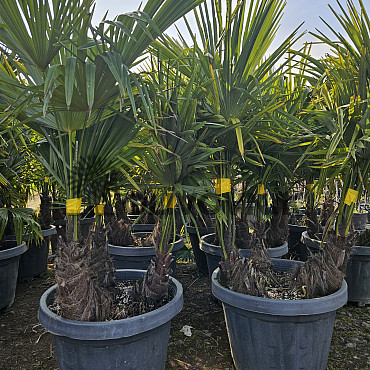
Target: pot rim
x: 276, y: 307
x: 142, y: 251
x: 216, y: 250
x: 13, y: 252
x: 113, y: 329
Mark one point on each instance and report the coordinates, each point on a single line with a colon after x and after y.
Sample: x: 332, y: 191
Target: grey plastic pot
x: 9, y: 262
x: 140, y: 257
x: 358, y: 275
x: 34, y: 261
x: 199, y: 256
x: 279, y: 334
x: 214, y: 252
x: 136, y: 343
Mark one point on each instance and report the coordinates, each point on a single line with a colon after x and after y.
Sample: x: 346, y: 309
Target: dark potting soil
x: 25, y: 345
x: 282, y: 288
x: 128, y: 301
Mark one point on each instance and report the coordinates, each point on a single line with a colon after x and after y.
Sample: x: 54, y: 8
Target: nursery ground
x: 24, y: 344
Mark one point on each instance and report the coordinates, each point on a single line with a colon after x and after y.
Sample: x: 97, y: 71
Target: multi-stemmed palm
x: 341, y: 105
x: 76, y: 87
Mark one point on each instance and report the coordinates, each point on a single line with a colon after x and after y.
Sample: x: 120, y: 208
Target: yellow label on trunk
x: 261, y: 189
x: 351, y: 197
x: 168, y: 202
x: 74, y: 206
x: 99, y: 210
x: 310, y: 186
x: 222, y: 186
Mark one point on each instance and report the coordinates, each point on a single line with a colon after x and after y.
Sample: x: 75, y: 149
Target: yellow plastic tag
x: 260, y: 189
x: 168, y: 202
x: 46, y: 179
x: 74, y: 206
x: 351, y: 197
x: 222, y: 186
x: 310, y: 186
x: 99, y: 210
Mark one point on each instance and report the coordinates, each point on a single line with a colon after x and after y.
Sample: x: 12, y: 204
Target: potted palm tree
x: 344, y: 115
x: 252, y: 321
x: 175, y: 159
x: 232, y: 102
x: 74, y: 95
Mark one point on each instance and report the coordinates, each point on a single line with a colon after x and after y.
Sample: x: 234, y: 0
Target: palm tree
x: 238, y: 92
x: 341, y: 101
x: 76, y: 83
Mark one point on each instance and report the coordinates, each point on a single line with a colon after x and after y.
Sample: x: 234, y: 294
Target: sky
x: 295, y: 12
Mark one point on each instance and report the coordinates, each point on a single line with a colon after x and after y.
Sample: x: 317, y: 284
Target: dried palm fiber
x: 278, y: 229
x: 242, y: 234
x: 249, y: 275
x: 313, y: 225
x: 148, y: 240
x: 45, y: 210
x: 323, y: 272
x: 120, y: 208
x: 327, y: 211
x: 109, y: 215
x: 120, y: 233
x: 363, y: 238
x: 85, y: 276
x: 156, y: 279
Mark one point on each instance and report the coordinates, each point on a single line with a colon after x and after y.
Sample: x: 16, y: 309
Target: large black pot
x: 279, y: 334
x: 214, y: 252
x: 136, y: 343
x: 199, y: 256
x: 139, y: 257
x: 358, y: 275
x: 359, y: 220
x: 9, y: 262
x: 297, y: 249
x: 34, y: 261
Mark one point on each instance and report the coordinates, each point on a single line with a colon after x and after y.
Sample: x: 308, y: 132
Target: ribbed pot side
x: 277, y: 334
